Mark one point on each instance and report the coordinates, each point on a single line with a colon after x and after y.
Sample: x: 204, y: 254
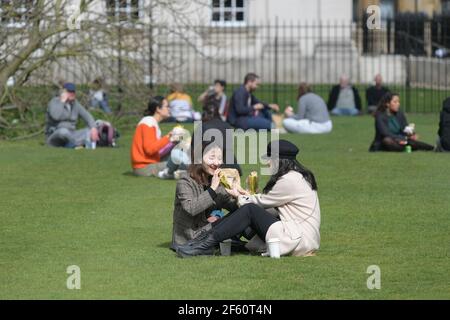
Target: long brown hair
x: 303, y: 89
x: 196, y: 171
x: 385, y: 100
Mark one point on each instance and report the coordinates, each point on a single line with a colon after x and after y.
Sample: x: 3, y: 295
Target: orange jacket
x: 147, y: 143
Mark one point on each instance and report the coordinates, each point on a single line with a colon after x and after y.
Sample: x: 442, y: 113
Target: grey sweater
x: 193, y: 205
x: 313, y: 108
x: 65, y: 115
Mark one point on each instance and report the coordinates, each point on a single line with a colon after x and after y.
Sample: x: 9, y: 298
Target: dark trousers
x: 249, y: 215
x: 260, y: 122
x: 390, y: 144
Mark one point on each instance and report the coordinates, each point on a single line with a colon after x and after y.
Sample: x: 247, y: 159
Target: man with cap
x: 287, y: 210
x: 62, y: 117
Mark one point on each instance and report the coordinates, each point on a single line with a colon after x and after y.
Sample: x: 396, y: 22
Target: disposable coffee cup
x: 274, y: 248
x: 225, y: 247
x: 93, y: 145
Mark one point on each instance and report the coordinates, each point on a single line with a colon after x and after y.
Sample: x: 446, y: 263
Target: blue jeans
x: 260, y: 122
x: 64, y: 137
x: 178, y: 160
x: 103, y: 104
x: 345, y: 112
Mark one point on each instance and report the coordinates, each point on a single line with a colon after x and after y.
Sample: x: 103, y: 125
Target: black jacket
x: 334, y: 95
x: 374, y: 95
x: 382, y: 128
x: 444, y: 125
x: 239, y: 106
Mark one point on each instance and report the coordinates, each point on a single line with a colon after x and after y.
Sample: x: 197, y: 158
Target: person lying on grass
x: 200, y: 198
x: 291, y: 190
x: 392, y: 131
x: 151, y: 153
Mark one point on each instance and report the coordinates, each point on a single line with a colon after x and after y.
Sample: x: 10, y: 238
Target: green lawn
x: 63, y: 207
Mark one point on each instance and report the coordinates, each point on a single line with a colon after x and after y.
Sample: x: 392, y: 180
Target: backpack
x: 107, y: 133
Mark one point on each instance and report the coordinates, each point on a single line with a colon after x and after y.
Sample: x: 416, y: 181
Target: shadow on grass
x: 130, y: 174
x: 165, y: 245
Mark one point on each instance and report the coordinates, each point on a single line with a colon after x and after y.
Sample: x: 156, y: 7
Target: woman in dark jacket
x: 392, y: 132
x: 444, y: 128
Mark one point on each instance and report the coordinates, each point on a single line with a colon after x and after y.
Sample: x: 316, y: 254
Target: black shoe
x: 202, y: 236
x: 238, y: 245
x: 204, y: 247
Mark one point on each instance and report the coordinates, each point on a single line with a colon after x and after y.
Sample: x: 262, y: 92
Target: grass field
x: 63, y: 207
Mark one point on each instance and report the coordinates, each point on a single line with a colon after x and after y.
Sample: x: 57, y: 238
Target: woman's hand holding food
x: 215, y: 182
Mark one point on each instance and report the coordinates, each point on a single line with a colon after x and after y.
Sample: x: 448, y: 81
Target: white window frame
x: 12, y: 23
x: 234, y: 10
x: 128, y: 12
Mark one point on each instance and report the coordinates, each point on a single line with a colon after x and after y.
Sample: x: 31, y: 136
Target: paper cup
x: 274, y: 248
x: 93, y: 145
x: 225, y: 247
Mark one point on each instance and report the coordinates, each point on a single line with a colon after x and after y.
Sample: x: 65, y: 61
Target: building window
x: 229, y: 12
x: 15, y: 13
x: 124, y: 10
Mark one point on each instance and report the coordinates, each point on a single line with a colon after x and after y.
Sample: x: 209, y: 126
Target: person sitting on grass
x: 62, y: 117
x: 216, y: 92
x: 180, y: 105
x: 392, y: 132
x: 200, y: 197
x: 147, y: 150
x: 292, y: 190
x: 98, y: 97
x: 443, y: 144
x: 246, y: 111
x: 374, y: 94
x: 344, y: 99
x: 312, y: 116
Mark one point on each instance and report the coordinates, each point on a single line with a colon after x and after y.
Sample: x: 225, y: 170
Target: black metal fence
x: 411, y: 53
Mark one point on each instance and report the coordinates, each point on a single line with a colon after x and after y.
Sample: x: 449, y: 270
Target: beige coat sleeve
x: 280, y: 194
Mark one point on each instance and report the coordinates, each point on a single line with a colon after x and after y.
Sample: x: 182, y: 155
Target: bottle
x: 408, y: 149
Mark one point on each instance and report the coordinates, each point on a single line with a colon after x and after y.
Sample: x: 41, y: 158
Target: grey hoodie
x: 65, y: 115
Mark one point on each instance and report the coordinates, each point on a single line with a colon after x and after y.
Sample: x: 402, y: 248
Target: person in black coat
x: 444, y: 127
x: 375, y: 93
x: 344, y: 99
x: 392, y: 132
x: 211, y: 120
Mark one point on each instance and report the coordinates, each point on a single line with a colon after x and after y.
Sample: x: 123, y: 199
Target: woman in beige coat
x: 292, y: 191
